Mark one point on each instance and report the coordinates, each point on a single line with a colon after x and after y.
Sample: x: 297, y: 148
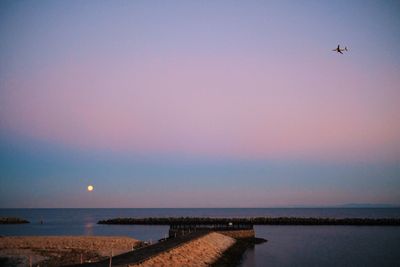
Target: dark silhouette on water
x: 12, y: 220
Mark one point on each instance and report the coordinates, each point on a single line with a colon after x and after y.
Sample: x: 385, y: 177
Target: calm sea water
x: 286, y: 246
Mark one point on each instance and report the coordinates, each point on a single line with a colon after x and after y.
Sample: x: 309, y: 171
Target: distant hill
x: 368, y: 205
x: 348, y: 205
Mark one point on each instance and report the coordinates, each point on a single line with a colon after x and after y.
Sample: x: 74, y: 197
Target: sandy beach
x: 61, y: 250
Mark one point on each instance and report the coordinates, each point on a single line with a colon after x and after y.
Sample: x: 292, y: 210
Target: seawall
x: 203, y: 251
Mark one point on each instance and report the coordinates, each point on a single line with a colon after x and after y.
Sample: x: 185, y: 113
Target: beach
x: 61, y: 250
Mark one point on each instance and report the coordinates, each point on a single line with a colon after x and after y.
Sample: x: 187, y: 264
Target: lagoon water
x: 286, y: 246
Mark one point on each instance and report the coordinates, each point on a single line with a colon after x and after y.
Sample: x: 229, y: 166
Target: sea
x: 287, y: 245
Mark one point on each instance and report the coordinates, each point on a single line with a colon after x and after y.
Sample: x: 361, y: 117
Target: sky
x: 199, y: 103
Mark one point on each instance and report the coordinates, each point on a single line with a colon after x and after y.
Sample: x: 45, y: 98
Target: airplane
x: 339, y: 50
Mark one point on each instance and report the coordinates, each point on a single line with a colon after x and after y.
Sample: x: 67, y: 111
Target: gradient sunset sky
x: 199, y: 103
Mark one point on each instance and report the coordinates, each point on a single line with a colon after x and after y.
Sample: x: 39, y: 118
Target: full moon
x: 90, y: 188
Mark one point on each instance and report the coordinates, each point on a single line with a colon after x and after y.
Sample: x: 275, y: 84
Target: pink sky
x: 235, y: 90
x: 247, y: 107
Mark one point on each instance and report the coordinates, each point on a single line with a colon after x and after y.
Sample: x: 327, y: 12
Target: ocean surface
x: 286, y: 246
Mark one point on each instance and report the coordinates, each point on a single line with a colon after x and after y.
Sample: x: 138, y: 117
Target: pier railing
x: 219, y: 227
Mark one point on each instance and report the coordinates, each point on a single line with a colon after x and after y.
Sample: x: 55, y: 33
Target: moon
x: 90, y: 188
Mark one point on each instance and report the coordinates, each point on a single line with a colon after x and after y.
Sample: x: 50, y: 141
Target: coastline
x: 212, y: 248
x: 75, y: 222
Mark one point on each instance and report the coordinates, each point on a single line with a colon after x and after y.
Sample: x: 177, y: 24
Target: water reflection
x: 89, y: 228
x: 249, y: 257
x: 89, y: 223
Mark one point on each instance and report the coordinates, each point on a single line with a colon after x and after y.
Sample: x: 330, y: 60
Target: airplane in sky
x: 340, y: 50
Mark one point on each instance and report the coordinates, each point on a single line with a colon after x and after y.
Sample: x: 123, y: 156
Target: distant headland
x: 12, y: 220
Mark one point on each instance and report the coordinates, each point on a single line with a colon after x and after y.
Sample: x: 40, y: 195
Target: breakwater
x: 12, y: 220
x: 203, y: 251
x: 253, y: 221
